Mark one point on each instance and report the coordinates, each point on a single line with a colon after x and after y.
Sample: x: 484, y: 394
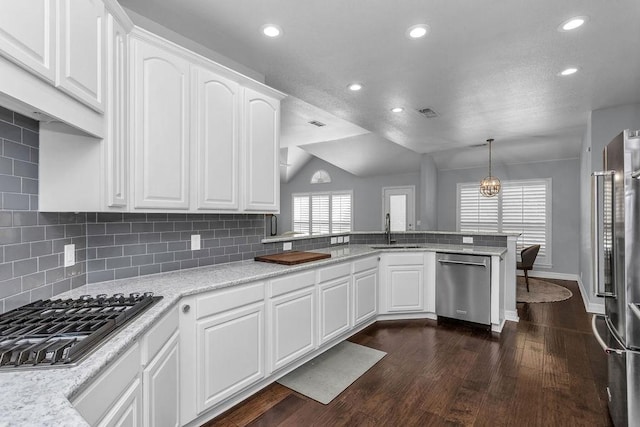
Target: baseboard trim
x: 589, y: 306
x: 511, y: 316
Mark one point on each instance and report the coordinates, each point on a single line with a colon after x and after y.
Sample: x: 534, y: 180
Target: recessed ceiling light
x: 397, y: 109
x: 568, y: 71
x: 271, y: 30
x: 417, y: 31
x: 573, y: 23
x: 355, y: 86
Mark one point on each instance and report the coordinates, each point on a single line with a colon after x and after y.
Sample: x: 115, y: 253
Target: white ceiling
x: 488, y: 67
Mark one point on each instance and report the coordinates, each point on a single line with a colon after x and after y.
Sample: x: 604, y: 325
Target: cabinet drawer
x: 365, y: 264
x: 94, y: 403
x: 159, y: 335
x: 227, y: 299
x: 292, y: 283
x: 405, y: 259
x: 333, y: 272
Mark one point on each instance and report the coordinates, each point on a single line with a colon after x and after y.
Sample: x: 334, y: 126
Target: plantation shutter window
x: 301, y: 217
x: 322, y: 213
x: 341, y: 213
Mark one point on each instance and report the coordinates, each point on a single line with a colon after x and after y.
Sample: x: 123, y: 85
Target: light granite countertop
x: 40, y: 397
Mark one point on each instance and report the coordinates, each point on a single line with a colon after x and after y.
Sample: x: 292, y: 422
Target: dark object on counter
x: 528, y: 256
x: 292, y: 257
x: 54, y: 333
x: 274, y: 225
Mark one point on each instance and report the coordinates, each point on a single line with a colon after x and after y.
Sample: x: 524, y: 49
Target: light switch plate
x: 195, y: 242
x: 287, y: 246
x: 69, y: 255
x: 334, y: 240
x: 467, y: 239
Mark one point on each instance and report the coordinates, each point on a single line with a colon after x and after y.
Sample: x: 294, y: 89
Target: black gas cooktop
x: 60, y: 332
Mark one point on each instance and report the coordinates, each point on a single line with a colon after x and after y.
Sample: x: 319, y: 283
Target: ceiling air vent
x: 428, y: 113
x: 317, y: 123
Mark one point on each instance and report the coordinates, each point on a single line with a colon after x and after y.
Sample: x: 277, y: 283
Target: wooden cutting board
x: 292, y: 258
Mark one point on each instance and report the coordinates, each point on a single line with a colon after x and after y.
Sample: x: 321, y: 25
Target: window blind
x: 340, y: 213
x: 322, y: 213
x: 301, y: 217
x: 521, y: 207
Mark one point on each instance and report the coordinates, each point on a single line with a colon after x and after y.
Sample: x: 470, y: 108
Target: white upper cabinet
x: 81, y: 50
x: 261, y: 152
x: 160, y: 127
x: 116, y: 116
x: 27, y: 35
x: 215, y: 128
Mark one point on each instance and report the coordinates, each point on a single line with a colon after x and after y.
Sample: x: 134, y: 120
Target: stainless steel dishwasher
x: 463, y: 287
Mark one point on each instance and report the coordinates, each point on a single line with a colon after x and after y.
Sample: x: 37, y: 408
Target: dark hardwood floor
x: 546, y: 370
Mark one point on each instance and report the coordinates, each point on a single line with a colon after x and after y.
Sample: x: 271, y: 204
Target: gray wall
x: 565, y: 201
x: 603, y: 126
x: 367, y: 193
x: 428, y: 197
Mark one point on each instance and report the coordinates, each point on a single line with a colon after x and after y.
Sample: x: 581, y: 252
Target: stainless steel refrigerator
x: 616, y: 265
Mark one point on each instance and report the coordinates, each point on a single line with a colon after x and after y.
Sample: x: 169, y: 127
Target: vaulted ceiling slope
x: 489, y: 68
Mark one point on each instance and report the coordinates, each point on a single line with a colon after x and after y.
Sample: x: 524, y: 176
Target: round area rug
x: 540, y: 291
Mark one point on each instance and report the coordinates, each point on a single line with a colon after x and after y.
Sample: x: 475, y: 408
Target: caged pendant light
x: 490, y: 185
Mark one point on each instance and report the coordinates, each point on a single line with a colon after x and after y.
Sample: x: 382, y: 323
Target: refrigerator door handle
x: 599, y: 217
x: 604, y: 345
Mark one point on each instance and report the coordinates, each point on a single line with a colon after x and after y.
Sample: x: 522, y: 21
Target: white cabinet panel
x: 261, y: 152
x: 81, y: 50
x: 216, y: 114
x: 161, y: 392
x: 334, y: 302
x: 405, y: 288
x: 365, y: 295
x: 292, y: 326
x: 160, y: 128
x: 126, y: 412
x: 116, y: 141
x: 229, y: 354
x: 27, y: 34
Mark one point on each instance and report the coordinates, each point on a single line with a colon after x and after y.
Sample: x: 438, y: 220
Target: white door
x: 27, y: 35
x: 292, y: 326
x: 215, y: 113
x: 261, y: 151
x: 161, y: 391
x: 116, y: 115
x: 365, y: 288
x: 81, y: 51
x: 334, y: 304
x: 399, y: 203
x: 160, y: 128
x: 229, y: 354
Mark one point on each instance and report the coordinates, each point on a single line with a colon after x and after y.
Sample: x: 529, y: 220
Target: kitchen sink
x: 396, y: 246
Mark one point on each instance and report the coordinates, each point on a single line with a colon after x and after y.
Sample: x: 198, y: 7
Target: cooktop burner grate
x: 60, y: 332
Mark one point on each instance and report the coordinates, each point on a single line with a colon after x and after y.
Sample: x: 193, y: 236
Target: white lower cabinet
x: 365, y: 290
x: 126, y: 412
x: 402, y: 283
x: 334, y: 301
x: 160, y: 380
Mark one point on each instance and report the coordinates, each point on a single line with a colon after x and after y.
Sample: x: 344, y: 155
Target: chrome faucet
x: 387, y: 228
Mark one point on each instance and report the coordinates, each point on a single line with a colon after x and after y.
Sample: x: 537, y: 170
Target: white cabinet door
x: 27, y: 35
x: 334, y: 302
x: 365, y: 296
x: 127, y: 411
x: 229, y: 354
x: 292, y: 326
x: 81, y: 50
x: 116, y: 115
x: 160, y: 127
x: 215, y: 111
x: 161, y: 386
x: 261, y: 152
x: 405, y: 290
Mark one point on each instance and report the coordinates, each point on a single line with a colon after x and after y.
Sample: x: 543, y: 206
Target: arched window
x: 321, y: 177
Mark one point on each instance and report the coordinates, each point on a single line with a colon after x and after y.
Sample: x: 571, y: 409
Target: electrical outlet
x: 195, y: 242
x: 340, y: 239
x: 334, y: 240
x: 287, y: 246
x: 346, y: 239
x: 467, y: 240
x: 69, y: 255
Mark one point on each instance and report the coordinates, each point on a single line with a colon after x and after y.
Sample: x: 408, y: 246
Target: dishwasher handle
x: 477, y: 264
